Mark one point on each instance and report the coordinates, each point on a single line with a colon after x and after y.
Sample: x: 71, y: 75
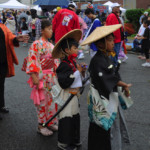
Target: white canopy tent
x: 109, y: 3
x: 38, y: 8
x: 13, y: 4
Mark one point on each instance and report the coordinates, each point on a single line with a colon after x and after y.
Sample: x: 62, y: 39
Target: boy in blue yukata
x: 95, y: 23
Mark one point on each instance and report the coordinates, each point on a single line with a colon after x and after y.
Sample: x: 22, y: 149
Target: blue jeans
x: 116, y: 49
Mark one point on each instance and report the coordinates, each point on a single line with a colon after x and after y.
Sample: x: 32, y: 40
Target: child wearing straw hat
x: 69, y: 75
x: 103, y: 103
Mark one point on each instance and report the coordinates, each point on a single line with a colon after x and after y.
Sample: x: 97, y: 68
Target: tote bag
x: 102, y: 111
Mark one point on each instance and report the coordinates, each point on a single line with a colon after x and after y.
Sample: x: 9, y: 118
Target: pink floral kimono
x: 40, y: 61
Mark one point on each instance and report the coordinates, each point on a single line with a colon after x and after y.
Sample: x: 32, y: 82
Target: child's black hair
x: 23, y: 18
x: 78, y: 11
x: 144, y: 18
x: 45, y: 23
x: 89, y: 11
x: 146, y: 22
x: 69, y: 42
x: 103, y: 39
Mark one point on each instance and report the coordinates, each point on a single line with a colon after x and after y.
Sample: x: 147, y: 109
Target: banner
x: 101, y: 8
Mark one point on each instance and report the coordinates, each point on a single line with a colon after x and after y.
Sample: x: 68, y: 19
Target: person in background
x: 10, y: 23
x: 95, y: 23
x: 103, y: 21
x: 90, y: 5
x: 149, y: 21
x: 144, y: 15
x: 137, y: 43
x: 113, y: 19
x: 4, y: 16
x: 146, y: 43
x: 38, y: 26
x: 7, y: 59
x: 1, y: 18
x: 22, y: 14
x: 83, y: 28
x: 88, y: 21
x: 65, y: 20
x: 121, y: 18
x: 33, y: 22
x: 98, y: 15
x: 24, y: 28
x: 122, y: 56
x: 16, y: 22
x: 28, y: 22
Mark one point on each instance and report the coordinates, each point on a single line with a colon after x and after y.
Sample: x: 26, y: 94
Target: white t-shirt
x: 141, y: 30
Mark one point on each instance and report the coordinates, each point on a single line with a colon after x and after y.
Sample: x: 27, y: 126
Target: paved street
x: 18, y: 128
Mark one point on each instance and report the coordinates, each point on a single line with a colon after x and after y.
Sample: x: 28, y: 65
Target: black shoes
x: 4, y: 110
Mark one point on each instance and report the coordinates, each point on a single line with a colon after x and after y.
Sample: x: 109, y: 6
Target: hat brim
x: 74, y: 34
x: 99, y: 33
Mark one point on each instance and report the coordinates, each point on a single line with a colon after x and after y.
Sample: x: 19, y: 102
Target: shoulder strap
x: 72, y: 67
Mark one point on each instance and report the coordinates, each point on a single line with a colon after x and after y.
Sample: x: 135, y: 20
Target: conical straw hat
x: 99, y: 33
x: 74, y: 34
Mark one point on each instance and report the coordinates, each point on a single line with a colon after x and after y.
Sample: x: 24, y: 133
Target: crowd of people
x: 54, y: 74
x: 141, y: 40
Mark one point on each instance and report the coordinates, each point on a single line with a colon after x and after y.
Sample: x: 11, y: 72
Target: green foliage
x: 133, y: 15
x: 127, y: 21
x: 148, y: 10
x: 133, y: 35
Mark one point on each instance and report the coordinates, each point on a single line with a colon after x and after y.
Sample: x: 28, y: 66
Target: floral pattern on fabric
x: 40, y: 61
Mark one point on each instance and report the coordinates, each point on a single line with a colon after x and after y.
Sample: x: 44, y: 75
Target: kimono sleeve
x: 104, y: 77
x: 65, y: 75
x: 33, y: 65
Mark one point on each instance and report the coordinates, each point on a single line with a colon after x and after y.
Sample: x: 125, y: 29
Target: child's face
x: 110, y: 43
x: 47, y: 32
x: 90, y: 16
x: 145, y: 25
x: 22, y: 20
x: 73, y: 50
x: 104, y: 23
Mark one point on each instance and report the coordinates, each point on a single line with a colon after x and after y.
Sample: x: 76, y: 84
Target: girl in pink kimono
x: 41, y: 68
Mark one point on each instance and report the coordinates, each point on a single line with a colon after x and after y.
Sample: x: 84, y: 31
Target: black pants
x: 69, y: 130
x: 3, y: 72
x: 98, y: 138
x: 2, y: 102
x: 146, y: 52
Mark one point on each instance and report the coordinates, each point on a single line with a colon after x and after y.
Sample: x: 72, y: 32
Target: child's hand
x: 74, y: 91
x: 79, y: 68
x: 35, y: 80
x: 138, y: 37
x: 84, y: 68
x: 127, y: 91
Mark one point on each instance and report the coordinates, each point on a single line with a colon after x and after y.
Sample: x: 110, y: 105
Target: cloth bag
x: 102, y: 111
x: 125, y: 102
x: 57, y: 93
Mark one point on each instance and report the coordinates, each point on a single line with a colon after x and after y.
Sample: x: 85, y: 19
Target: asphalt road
x: 18, y: 128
